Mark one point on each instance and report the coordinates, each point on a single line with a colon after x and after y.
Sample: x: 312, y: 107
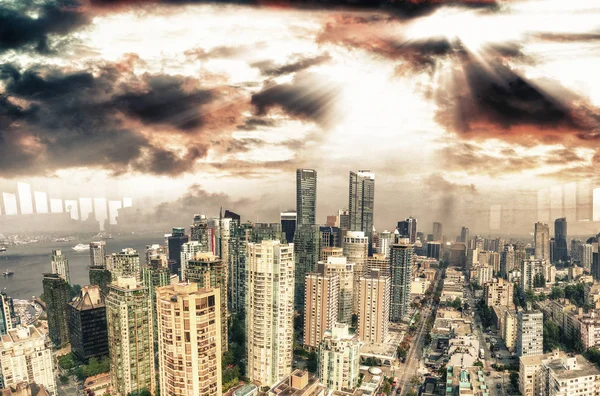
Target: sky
x: 185, y: 106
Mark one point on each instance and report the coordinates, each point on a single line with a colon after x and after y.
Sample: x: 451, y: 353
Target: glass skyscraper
x: 306, y: 196
x: 361, y: 203
x: 401, y: 266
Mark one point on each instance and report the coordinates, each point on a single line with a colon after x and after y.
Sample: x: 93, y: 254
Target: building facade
x: 374, y: 307
x: 339, y: 358
x: 542, y: 241
x: 88, y: 330
x: 56, y: 297
x: 306, y: 196
x: 321, y: 304
x: 60, y: 265
x: 125, y: 263
x: 361, y: 203
x: 345, y: 272
x: 306, y: 253
x: 401, y: 277
x: 98, y: 254
x: 498, y: 292
x: 530, y: 333
x: 356, y: 247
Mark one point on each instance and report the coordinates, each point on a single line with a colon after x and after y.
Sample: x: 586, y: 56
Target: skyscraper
x: 188, y: 252
x: 361, y: 203
x: 530, y: 333
x: 345, y: 272
x: 385, y: 243
x: 434, y: 250
x: 125, y: 263
x: 88, y: 330
x: 344, y: 219
x: 154, y: 276
x: 56, y: 297
x: 542, y: 241
x: 267, y: 232
x: 269, y: 311
x: 437, y: 232
x: 288, y: 221
x: 202, y: 233
x: 8, y: 319
x: 532, y: 273
x: 60, y: 265
x: 560, y: 240
x: 98, y: 254
x: 374, y: 307
x: 464, y: 235
x: 306, y: 254
x: 586, y: 255
x: 130, y: 336
x: 240, y: 236
x: 198, y: 370
x: 175, y: 241
x: 401, y: 270
x: 101, y: 277
x: 408, y: 229
x: 507, y: 260
x: 210, y: 272
x: 321, y: 304
x: 306, y: 196
x: 356, y: 246
x: 339, y: 358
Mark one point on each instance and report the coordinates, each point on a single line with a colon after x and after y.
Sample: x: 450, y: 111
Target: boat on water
x: 81, y: 247
x: 2, y: 249
x: 7, y: 273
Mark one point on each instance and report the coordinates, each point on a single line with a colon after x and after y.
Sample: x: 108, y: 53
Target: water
x: 29, y: 262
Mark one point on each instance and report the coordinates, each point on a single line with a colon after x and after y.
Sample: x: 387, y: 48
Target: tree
x: 311, y: 363
x: 456, y: 303
x: 557, y: 293
x: 387, y: 387
x: 354, y: 321
x: 514, y: 379
x: 478, y: 363
x: 74, y: 290
x: 593, y: 355
x: 539, y: 280
x: 551, y: 336
x: 67, y: 362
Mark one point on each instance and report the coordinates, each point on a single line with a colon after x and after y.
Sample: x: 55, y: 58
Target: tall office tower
x: 321, y: 304
x: 8, y: 319
x: 175, y: 241
x: 356, y: 246
x: 288, y: 224
x: 576, y: 250
x: 188, y: 252
x: 530, y: 333
x: 586, y: 255
x: 560, y: 238
x: 130, y: 338
x: 24, y: 357
x: 98, y: 254
x: 306, y: 196
x: 60, y: 265
x: 361, y: 203
x: 380, y: 262
x: 385, y: 243
x: 56, y: 297
x: 202, y: 233
x: 88, y: 331
x: 330, y: 236
x: 345, y: 272
x: 101, y: 277
x: 596, y: 266
x: 542, y: 241
x: 339, y: 358
x: 157, y: 251
x: 240, y: 236
x: 231, y: 258
x: 125, y: 263
x: 344, y: 219
x: 532, y: 273
x: 374, y: 307
x: 401, y: 269
x: 209, y: 271
x: 464, y: 235
x: 507, y: 260
x: 195, y: 313
x: 437, y: 232
x: 267, y: 232
x: 269, y: 311
x: 434, y: 250
x: 306, y: 254
x: 154, y: 276
x: 408, y: 229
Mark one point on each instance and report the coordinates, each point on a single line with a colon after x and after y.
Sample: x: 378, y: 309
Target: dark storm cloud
x: 308, y: 96
x: 271, y: 69
x: 567, y: 37
x: 221, y: 52
x: 54, y: 119
x: 256, y: 123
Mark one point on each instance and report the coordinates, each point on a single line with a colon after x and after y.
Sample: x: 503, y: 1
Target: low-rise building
x: 299, y: 383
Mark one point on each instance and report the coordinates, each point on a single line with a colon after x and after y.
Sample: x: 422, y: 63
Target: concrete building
x: 374, y: 307
x: 201, y: 231
x: 298, y: 383
x: 321, y: 304
x: 130, y: 336
x: 542, y: 241
x: 174, y: 241
x: 101, y: 277
x: 587, y: 251
x: 188, y: 252
x: 269, y: 311
x: 564, y: 375
x: 98, y: 254
x: 56, y: 297
x: 499, y: 292
x: 306, y: 254
x: 88, y: 330
x: 154, y: 275
x: 8, y: 319
x: 24, y: 357
x: 345, y: 272
x: 189, y: 364
x: 434, y: 250
x: 60, y: 265
x: 401, y: 277
x: 339, y: 358
x: 306, y: 196
x: 356, y: 248
x: 509, y: 329
x: 385, y: 243
x: 530, y: 333
x: 125, y: 263
x: 507, y: 260
x: 361, y: 204
x: 532, y: 269
x: 328, y: 251
x: 378, y: 261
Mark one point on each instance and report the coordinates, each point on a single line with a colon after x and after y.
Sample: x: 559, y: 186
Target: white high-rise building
x: 320, y: 304
x: 345, y: 272
x: 269, y: 311
x: 356, y: 249
x: 125, y: 263
x: 25, y: 358
x: 60, y: 265
x: 587, y: 254
x: 339, y: 358
x: 530, y: 333
x: 98, y: 254
x: 188, y: 252
x: 374, y: 307
x: 385, y: 243
x: 532, y: 269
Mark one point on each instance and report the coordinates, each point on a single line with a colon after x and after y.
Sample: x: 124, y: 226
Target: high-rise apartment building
x: 188, y: 252
x: 507, y: 260
x: 210, y: 272
x: 56, y: 297
x: 125, y: 263
x: 267, y: 232
x: 530, y: 333
x: 101, y: 277
x: 345, y: 272
x: 60, y: 265
x: 174, y: 242
x: 498, y: 293
x: 306, y: 253
x: 240, y: 236
x: 201, y: 232
x: 587, y: 255
x: 8, y: 319
x: 98, y: 254
x: 156, y: 251
x: 288, y: 221
x: 339, y: 358
x: 344, y: 219
x: 542, y: 241
x: 130, y: 336
x: 380, y: 262
x: 306, y: 196
x: 356, y: 247
x: 437, y: 232
x: 330, y: 236
x: 361, y: 203
x: 401, y: 277
x: 321, y: 304
x: 154, y: 276
x: 374, y: 307
x: 385, y: 243
x: 327, y: 252
x: 24, y: 357
x: 269, y: 311
x: 561, y: 252
x: 88, y: 330
x: 532, y: 273
x: 408, y: 229
x: 189, y: 343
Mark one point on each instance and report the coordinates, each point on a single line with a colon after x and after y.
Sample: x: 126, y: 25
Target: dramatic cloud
x: 269, y: 68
